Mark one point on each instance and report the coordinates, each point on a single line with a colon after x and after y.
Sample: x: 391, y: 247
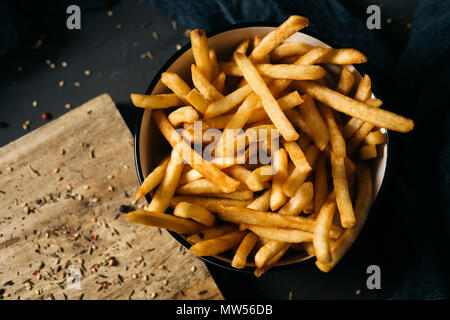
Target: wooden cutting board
x: 62, y: 190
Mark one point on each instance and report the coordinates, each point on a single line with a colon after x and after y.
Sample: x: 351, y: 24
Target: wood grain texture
x: 61, y: 190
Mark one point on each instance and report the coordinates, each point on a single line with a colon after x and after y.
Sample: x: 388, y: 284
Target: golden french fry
x: 243, y: 46
x: 268, y: 251
x: 241, y: 215
x: 278, y: 71
x: 240, y: 173
x: 346, y: 81
x: 240, y: 257
x: 228, y: 102
x: 299, y: 201
x: 296, y: 118
x: 189, y: 176
x: 152, y: 180
x: 280, y: 165
x: 204, y: 86
x: 354, y: 123
x: 176, y: 84
x: 320, y: 183
x: 281, y: 33
x: 236, y: 195
x: 362, y: 207
x: 206, y: 169
x: 270, y: 105
x: 197, y: 100
x: 215, y: 69
x: 317, y: 127
x: 344, y: 56
x: 291, y: 71
x: 161, y: 200
x: 209, y: 203
x: 183, y: 114
x: 336, y: 139
x: 199, y: 186
x: 313, y: 56
x: 324, y: 220
x: 210, y: 233
x: 377, y: 117
x: 375, y: 137
x: 297, y: 156
x: 309, y: 248
x: 218, y: 245
x: 264, y: 173
x: 364, y: 90
x: 219, y: 81
x: 155, y: 101
x: 359, y: 137
x: 194, y: 212
x: 282, y: 235
x: 343, y: 200
x: 288, y: 49
x: 367, y: 152
x: 164, y: 220
x: 270, y: 263
x: 262, y: 203
x: 298, y: 176
x: 201, y: 52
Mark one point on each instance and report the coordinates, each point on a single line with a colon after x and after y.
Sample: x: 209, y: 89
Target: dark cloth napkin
x: 413, y: 217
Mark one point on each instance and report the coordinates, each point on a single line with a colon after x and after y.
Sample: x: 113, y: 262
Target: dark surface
x: 116, y: 68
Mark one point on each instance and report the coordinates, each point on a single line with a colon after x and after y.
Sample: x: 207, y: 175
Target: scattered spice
x: 87, y: 72
x: 52, y: 66
x: 67, y: 106
x: 61, y: 83
x: 46, y: 116
x: 389, y: 20
x: 33, y: 171
x: 174, y: 25
x: 77, y: 84
x: 119, y: 26
x: 155, y: 35
x: 64, y: 64
x: 34, y: 104
x: 110, y: 13
x: 358, y: 292
x: 178, y: 46
x: 409, y: 25
x: 19, y: 68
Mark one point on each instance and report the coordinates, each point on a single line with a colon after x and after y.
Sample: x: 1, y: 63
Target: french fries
x: 152, y: 180
x: 271, y: 106
x: 273, y: 39
x: 163, y: 220
x: 194, y: 212
x: 211, y: 233
x: 264, y: 152
x: 161, y: 200
x: 156, y: 101
x: 184, y: 114
x: 177, y: 85
x: 201, y: 52
x: 377, y: 117
x: 362, y: 206
x: 247, y: 244
x: 218, y: 245
x: 343, y: 200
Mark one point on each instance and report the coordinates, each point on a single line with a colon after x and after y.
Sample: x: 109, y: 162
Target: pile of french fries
x: 316, y: 192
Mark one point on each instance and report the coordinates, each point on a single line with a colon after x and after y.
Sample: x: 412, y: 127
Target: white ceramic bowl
x: 149, y: 143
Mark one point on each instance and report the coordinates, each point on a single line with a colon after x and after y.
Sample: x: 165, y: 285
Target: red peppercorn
x: 35, y: 272
x: 46, y: 116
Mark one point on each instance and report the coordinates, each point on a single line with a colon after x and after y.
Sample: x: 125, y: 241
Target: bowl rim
x: 137, y: 131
